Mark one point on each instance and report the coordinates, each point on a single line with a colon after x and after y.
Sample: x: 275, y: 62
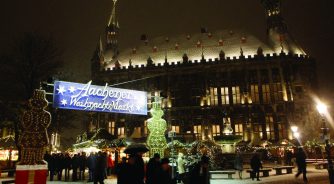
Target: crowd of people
x: 159, y: 171
x: 133, y: 170
x: 99, y: 165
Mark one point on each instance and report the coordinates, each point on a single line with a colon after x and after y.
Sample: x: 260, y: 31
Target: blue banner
x: 88, y: 97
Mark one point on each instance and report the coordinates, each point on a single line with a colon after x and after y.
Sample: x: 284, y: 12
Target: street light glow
x: 321, y: 107
x: 294, y: 129
x: 296, y: 135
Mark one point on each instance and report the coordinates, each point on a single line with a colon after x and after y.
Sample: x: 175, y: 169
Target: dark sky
x: 77, y: 24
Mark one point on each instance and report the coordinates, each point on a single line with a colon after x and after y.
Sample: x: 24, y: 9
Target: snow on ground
x: 314, y: 176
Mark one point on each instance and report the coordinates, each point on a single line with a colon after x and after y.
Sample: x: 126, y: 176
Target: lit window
x: 281, y: 130
x: 176, y: 129
x: 224, y: 95
x: 145, y: 127
x: 236, y: 95
x: 137, y: 131
x: 197, y: 130
x: 266, y: 93
x: 254, y: 90
x: 120, y: 132
x: 270, y: 127
x: 238, y: 129
x: 215, y: 130
x: 213, y: 96
x: 257, y: 129
x: 150, y: 98
x: 277, y: 92
x: 111, y: 127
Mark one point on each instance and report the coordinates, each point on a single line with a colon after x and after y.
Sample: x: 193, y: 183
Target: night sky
x: 77, y: 24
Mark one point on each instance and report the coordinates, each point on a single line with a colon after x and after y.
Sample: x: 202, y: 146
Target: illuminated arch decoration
x: 157, y: 126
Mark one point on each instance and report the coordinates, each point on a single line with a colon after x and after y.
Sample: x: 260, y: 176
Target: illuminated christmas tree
x: 157, y: 126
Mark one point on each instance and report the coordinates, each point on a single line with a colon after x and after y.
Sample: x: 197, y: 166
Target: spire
x: 112, y: 30
x: 277, y: 29
x: 112, y: 20
x: 100, y: 47
x: 273, y: 14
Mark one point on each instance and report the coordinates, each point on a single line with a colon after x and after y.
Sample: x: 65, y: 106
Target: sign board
x: 88, y: 97
x: 171, y: 134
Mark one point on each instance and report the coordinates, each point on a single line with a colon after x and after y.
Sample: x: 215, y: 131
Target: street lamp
x: 295, y: 132
x: 322, y: 109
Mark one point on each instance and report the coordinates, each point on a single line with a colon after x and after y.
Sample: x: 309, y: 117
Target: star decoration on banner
x: 64, y: 102
x: 61, y: 90
x: 71, y: 89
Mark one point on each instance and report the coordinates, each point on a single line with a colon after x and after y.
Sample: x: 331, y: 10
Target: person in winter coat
x: 255, y: 165
x: 136, y: 169
x: 75, y: 165
x: 110, y: 164
x: 238, y: 164
x: 180, y: 167
x: 60, y: 165
x: 67, y: 164
x: 91, y: 164
x: 153, y: 169
x: 122, y: 172
x: 200, y: 173
x: 301, y: 163
x: 165, y: 173
x: 82, y: 166
x: 52, y: 166
x: 100, y: 168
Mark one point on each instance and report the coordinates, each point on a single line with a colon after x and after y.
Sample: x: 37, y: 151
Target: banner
x: 88, y: 97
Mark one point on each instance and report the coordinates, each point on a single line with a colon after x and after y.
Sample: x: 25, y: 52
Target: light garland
x: 34, y: 137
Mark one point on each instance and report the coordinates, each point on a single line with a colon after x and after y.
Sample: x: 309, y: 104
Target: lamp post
x: 322, y: 109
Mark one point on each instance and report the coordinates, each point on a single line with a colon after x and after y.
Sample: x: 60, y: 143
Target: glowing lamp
x: 321, y: 107
x: 294, y: 128
x: 296, y: 135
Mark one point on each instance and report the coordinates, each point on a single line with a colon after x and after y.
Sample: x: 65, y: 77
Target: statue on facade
x: 34, y: 136
x: 228, y: 130
x: 157, y: 126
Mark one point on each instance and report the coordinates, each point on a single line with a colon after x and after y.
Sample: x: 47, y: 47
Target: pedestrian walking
x: 91, y: 164
x: 52, y: 166
x: 67, y: 164
x: 238, y: 164
x: 75, y: 166
x: 200, y: 172
x: 60, y: 165
x: 288, y: 157
x: 255, y: 165
x: 82, y: 166
x: 165, y: 172
x: 110, y: 164
x: 122, y: 171
x: 136, y: 169
x: 180, y: 167
x: 301, y: 163
x: 153, y: 169
x: 139, y: 168
x: 99, y: 173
